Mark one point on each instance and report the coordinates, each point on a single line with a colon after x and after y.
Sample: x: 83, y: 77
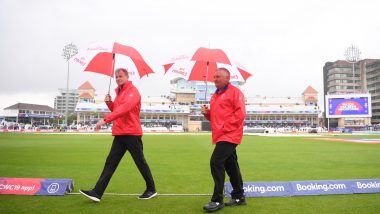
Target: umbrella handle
x: 109, y: 86
x: 112, y: 68
x: 206, y: 81
x: 110, y: 100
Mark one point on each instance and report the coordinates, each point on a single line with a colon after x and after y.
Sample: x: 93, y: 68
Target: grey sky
x: 284, y: 44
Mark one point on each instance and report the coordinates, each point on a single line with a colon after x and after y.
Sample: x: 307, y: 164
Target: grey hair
x: 123, y: 70
x: 224, y: 69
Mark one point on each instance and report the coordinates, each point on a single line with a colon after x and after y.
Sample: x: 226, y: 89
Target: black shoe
x: 213, y: 206
x: 236, y: 201
x: 148, y: 194
x: 91, y: 194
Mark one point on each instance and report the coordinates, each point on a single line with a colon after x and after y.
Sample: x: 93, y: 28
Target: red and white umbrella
x: 201, y: 66
x: 104, y: 57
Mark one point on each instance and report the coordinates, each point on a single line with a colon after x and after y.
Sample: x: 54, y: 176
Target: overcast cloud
x: 284, y: 44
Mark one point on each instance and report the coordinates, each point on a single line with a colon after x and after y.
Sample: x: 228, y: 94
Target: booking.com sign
x: 298, y: 188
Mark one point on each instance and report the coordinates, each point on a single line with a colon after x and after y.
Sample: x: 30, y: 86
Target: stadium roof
x: 165, y: 107
x: 157, y: 108
x: 310, y: 90
x: 282, y: 110
x: 155, y: 99
x: 91, y: 107
x: 275, y: 100
x: 27, y: 106
x: 86, y: 96
x: 311, y: 99
x: 86, y: 85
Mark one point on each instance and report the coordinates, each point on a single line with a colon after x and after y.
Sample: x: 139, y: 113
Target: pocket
x: 227, y: 128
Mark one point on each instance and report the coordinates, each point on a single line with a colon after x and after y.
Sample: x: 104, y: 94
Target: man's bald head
x: 221, y: 77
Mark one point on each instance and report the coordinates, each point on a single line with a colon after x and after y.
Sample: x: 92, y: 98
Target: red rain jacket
x: 125, y: 111
x: 227, y: 113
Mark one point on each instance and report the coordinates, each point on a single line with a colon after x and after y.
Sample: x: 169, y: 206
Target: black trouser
x: 224, y: 159
x: 119, y: 146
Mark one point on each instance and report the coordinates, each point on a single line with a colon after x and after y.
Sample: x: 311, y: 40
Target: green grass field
x: 180, y: 164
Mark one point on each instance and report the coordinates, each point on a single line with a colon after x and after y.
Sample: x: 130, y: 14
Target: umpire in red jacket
x: 226, y: 115
x: 127, y: 132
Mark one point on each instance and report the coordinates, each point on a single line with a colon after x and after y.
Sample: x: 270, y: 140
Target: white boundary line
x: 135, y: 194
x: 110, y: 134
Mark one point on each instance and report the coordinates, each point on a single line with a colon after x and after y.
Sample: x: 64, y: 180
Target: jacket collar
x: 218, y: 91
x: 123, y: 87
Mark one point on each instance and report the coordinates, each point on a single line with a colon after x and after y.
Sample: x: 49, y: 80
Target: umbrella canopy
x: 202, y: 66
x: 101, y: 57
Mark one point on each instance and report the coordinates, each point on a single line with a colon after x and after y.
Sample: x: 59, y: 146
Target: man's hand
x: 108, y: 98
x: 99, y: 124
x: 204, y: 109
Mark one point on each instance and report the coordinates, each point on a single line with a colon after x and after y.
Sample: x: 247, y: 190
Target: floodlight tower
x: 68, y: 51
x: 352, y: 55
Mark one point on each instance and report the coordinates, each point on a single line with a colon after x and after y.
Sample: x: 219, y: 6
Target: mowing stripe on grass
x: 350, y: 140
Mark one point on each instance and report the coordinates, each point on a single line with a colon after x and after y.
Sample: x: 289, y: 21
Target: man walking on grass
x: 127, y: 132
x: 226, y: 115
